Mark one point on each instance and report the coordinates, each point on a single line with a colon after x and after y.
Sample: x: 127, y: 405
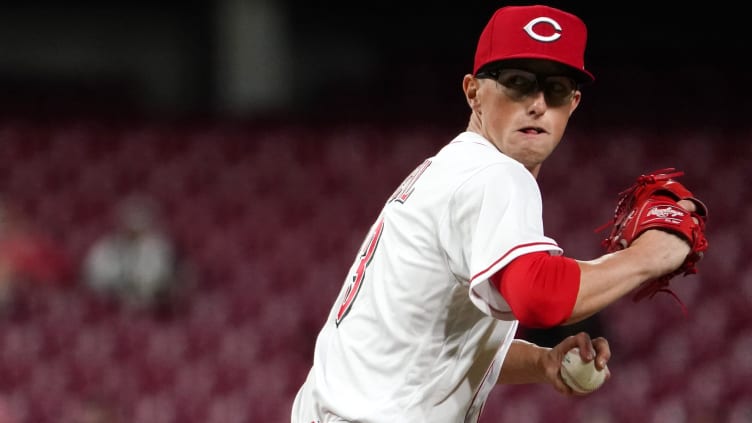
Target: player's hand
x: 687, y: 205
x: 663, y: 252
x: 668, y: 250
x: 656, y: 202
x: 590, y: 349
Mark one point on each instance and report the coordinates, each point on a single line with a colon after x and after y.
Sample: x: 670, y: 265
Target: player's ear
x: 575, y: 102
x: 470, y: 86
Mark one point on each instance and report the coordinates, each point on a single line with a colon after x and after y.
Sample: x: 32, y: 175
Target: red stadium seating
x: 271, y: 218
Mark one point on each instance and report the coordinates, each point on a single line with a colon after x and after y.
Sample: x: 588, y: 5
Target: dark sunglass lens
x: 559, y: 89
x: 520, y: 81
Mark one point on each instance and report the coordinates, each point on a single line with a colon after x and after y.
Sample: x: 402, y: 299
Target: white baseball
x: 582, y: 377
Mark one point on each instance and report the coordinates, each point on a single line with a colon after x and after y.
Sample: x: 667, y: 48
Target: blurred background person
x: 137, y: 261
x: 255, y: 124
x: 30, y: 258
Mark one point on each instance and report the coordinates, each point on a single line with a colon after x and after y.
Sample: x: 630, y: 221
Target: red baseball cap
x: 534, y: 32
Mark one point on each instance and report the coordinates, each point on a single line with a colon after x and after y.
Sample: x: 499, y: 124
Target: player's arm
x: 529, y: 363
x: 546, y: 291
x: 610, y: 277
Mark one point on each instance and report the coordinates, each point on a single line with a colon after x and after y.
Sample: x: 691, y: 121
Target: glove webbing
x: 651, y: 288
x: 642, y: 181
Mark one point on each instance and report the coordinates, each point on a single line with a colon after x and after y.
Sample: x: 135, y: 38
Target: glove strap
x: 651, y: 288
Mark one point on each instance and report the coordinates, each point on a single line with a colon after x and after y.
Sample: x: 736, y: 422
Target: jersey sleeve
x: 496, y: 217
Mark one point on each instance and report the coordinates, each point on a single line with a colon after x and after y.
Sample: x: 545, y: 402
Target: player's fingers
x: 585, y: 344
x: 688, y: 205
x: 602, y: 352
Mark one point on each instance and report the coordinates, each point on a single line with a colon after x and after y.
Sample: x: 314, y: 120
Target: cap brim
x: 582, y: 76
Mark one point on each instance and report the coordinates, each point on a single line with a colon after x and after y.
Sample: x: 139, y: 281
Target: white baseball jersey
x: 418, y: 333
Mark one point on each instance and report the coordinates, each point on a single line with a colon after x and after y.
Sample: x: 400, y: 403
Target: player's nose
x: 537, y: 104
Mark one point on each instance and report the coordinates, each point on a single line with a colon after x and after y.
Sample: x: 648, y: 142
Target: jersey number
x: 401, y: 195
x: 356, y: 280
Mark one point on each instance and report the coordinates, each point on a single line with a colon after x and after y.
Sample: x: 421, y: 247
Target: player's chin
x: 533, y: 158
x: 540, y: 149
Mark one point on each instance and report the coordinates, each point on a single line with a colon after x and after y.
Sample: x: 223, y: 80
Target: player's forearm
x: 522, y: 364
x: 610, y: 277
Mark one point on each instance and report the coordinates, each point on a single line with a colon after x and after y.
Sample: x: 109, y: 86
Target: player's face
x: 523, y: 110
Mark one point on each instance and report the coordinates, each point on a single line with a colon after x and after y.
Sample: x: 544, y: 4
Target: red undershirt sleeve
x: 541, y: 289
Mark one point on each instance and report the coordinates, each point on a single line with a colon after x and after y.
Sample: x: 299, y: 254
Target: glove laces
x: 650, y: 289
x: 643, y: 180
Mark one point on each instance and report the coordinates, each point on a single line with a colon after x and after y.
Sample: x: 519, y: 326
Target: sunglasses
x: 558, y: 90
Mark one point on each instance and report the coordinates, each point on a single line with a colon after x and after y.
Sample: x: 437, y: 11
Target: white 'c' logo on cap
x: 530, y: 29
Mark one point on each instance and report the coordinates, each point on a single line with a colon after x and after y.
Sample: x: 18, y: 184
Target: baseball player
x: 424, y: 325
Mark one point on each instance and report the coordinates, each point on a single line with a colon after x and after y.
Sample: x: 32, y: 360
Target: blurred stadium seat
x: 271, y: 217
